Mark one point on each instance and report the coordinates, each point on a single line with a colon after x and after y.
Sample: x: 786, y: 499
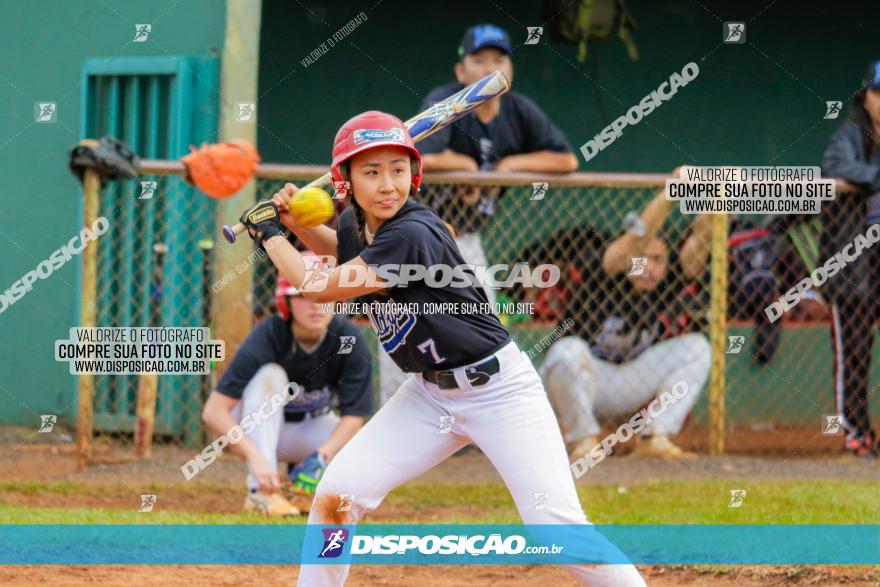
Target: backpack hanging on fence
x: 580, y: 21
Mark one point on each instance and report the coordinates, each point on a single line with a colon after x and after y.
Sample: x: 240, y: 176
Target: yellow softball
x: 311, y: 207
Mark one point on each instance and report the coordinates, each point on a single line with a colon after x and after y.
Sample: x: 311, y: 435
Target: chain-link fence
x: 154, y: 268
x: 628, y: 318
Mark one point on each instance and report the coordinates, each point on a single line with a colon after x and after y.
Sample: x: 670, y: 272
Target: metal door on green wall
x: 150, y: 265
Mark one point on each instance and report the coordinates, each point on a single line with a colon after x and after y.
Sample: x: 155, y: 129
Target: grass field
x: 40, y: 485
x: 660, y: 502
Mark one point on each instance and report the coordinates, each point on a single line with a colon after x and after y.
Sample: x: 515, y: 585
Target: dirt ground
x: 764, y: 455
x: 429, y: 576
x: 117, y: 480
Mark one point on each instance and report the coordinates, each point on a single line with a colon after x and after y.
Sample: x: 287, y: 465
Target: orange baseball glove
x: 222, y: 169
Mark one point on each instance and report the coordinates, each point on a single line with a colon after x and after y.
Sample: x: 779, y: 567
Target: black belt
x: 478, y: 374
x: 300, y: 416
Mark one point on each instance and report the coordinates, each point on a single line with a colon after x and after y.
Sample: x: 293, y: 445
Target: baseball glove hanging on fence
x: 220, y: 170
x: 110, y: 157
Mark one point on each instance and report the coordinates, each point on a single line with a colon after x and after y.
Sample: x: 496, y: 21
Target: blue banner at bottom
x: 456, y: 544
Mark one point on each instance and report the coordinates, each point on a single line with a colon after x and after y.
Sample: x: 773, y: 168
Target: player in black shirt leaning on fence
x: 636, y: 337
x: 510, y: 133
x: 328, y: 360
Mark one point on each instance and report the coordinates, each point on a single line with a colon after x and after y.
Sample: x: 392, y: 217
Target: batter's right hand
x: 266, y: 474
x: 280, y: 199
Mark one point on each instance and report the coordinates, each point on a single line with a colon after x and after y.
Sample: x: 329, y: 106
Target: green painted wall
x: 752, y: 104
x: 43, y: 46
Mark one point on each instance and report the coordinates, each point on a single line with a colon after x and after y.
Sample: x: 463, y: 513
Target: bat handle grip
x: 231, y: 232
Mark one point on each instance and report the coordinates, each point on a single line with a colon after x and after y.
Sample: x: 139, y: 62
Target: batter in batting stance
x: 471, y: 383
x: 327, y: 358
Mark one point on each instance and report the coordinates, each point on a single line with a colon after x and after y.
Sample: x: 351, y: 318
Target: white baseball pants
x: 287, y: 442
x: 511, y: 421
x: 584, y: 389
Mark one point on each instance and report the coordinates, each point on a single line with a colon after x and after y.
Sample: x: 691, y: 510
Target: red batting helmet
x: 367, y: 131
x: 283, y: 290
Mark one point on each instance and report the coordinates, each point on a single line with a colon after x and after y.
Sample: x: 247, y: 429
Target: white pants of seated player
x: 391, y: 377
x: 509, y: 418
x: 470, y: 245
x: 584, y: 389
x: 280, y: 441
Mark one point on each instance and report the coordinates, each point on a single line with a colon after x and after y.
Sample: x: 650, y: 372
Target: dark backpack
x: 578, y: 22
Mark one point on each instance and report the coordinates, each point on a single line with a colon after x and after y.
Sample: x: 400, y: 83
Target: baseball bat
x: 206, y: 246
x: 148, y: 383
x: 425, y: 124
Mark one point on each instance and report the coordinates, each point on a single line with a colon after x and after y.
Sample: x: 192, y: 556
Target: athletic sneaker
x: 862, y: 446
x: 661, y: 447
x: 582, y: 447
x: 269, y: 504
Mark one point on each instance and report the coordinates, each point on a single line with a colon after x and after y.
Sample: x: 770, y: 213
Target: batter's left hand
x: 262, y: 221
x: 305, y: 475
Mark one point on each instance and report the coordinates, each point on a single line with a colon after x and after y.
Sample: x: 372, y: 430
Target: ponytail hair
x: 360, y: 219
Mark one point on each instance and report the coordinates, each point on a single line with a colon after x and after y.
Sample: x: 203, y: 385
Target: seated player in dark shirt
x: 510, y: 133
x: 326, y: 356
x: 636, y: 337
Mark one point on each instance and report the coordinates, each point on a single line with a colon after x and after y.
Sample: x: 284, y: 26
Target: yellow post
x: 86, y: 394
x: 233, y: 304
x: 718, y: 333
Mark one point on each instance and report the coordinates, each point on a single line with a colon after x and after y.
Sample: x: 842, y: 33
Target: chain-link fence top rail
x: 565, y: 221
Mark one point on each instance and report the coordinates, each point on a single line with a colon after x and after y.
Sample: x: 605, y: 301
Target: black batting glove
x: 262, y: 221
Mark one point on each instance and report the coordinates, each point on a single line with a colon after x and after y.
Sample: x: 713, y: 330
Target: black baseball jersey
x: 619, y: 323
x: 326, y: 372
x: 421, y: 340
x: 520, y: 127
